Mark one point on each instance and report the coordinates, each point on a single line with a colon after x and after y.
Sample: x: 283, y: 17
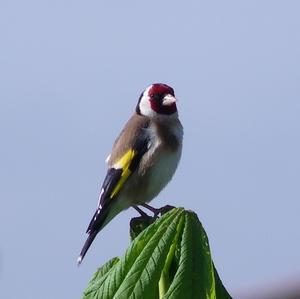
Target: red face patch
x: 156, y: 94
x: 159, y: 88
x: 161, y: 109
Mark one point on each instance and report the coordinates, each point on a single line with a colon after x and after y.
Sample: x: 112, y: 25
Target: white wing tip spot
x: 107, y: 159
x: 79, y: 260
x: 98, y: 204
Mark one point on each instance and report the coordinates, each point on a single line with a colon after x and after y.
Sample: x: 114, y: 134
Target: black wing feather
x: 112, y: 177
x: 140, y: 146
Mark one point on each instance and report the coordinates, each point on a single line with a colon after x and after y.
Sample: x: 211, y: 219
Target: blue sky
x: 71, y: 73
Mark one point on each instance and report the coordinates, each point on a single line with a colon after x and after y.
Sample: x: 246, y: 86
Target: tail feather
x: 96, y: 224
x: 86, y: 246
x: 102, y: 216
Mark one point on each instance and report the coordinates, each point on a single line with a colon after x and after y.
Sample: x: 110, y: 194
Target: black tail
x: 93, y: 229
x: 86, y: 246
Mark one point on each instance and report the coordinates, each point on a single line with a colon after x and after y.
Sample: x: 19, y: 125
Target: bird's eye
x: 155, y: 96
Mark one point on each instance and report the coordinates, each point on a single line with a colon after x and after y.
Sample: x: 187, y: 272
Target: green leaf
x: 170, y: 259
x: 139, y: 224
x: 138, y: 272
x: 166, y: 274
x: 220, y: 289
x: 194, y: 277
x: 99, y: 277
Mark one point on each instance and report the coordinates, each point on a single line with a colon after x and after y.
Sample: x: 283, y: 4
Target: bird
x: 143, y: 159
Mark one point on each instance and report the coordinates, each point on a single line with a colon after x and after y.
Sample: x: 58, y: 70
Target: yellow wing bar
x: 124, y: 164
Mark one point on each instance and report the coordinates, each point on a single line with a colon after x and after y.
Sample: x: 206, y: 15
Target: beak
x: 168, y: 100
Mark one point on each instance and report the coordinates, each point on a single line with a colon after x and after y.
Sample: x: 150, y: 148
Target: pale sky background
x: 70, y: 76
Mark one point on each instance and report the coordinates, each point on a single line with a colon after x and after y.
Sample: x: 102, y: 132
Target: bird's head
x: 157, y: 100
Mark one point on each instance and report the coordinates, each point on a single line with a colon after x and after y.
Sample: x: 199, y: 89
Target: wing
x: 128, y: 150
x: 117, y: 175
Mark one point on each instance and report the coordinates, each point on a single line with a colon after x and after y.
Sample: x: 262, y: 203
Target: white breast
x: 162, y: 172
x: 164, y: 164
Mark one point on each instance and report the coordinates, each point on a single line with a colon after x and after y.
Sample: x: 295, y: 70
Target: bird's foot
x: 158, y: 211
x: 138, y: 224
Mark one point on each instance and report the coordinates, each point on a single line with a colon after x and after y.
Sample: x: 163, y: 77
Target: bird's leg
x: 155, y: 211
x: 152, y: 209
x: 141, y: 212
x: 138, y: 224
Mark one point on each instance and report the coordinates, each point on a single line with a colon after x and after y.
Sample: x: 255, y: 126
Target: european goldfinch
x: 143, y: 159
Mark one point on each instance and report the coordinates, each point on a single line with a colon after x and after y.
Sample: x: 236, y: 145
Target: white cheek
x: 145, y: 107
